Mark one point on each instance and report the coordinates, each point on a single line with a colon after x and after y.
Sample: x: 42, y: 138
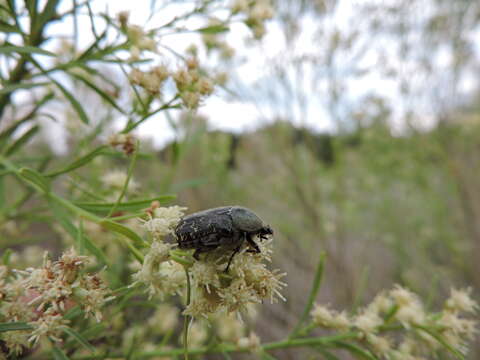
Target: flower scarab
x: 227, y: 226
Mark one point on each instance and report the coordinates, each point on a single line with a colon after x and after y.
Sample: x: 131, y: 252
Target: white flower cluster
x: 162, y: 275
x: 191, y: 85
x: 139, y: 40
x: 163, y: 220
x: 151, y: 80
x: 247, y: 282
x: 401, y: 306
x: 42, y: 296
x: 257, y: 13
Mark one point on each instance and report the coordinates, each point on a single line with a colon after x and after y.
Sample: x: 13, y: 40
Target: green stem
x: 127, y: 181
x: 284, y: 344
x: 313, y: 294
x: 186, y: 320
x: 180, y: 260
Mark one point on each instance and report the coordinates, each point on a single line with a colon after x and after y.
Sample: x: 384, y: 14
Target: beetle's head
x: 264, y: 232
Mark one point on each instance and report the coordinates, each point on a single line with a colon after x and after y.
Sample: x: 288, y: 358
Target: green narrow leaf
x: 266, y: 356
x: 133, y: 161
x: 86, y: 54
x: 58, y: 353
x: 8, y: 28
x: 7, y: 49
x: 362, y: 285
x: 327, y: 354
x: 76, y: 105
x: 123, y: 230
x: 72, y: 230
x: 94, y: 331
x: 6, y: 256
x: 80, y: 339
x: 169, y: 105
x: 317, y: 280
x: 99, y: 91
x: 12, y: 87
x: 442, y: 341
x: 130, y: 206
x: 13, y: 326
x: 73, y: 313
x: 81, y: 239
x: 17, y: 145
x: 3, y: 203
x: 356, y: 350
x: 34, y: 177
x: 79, y: 162
x: 214, y: 29
x: 5, y: 135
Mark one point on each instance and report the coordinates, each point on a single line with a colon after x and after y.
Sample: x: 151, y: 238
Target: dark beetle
x: 228, y: 226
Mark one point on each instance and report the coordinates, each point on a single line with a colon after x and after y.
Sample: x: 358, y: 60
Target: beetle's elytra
x: 228, y: 225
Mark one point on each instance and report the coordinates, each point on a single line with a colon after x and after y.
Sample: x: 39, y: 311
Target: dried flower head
x: 125, y: 141
x: 41, y: 297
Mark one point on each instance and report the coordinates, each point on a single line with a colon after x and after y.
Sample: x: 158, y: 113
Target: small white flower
x: 323, y: 316
x: 380, y: 345
x: 164, y: 221
x: 403, y: 297
x: 460, y: 300
x: 49, y: 324
x: 368, y: 321
x: 252, y: 342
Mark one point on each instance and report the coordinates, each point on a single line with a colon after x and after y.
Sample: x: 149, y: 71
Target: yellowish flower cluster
x: 328, y: 318
x: 151, y: 80
x: 215, y: 40
x: 139, y: 40
x: 42, y: 296
x: 248, y: 281
x: 250, y: 342
x: 191, y: 85
x: 162, y: 275
x: 257, y: 12
x: 402, y: 310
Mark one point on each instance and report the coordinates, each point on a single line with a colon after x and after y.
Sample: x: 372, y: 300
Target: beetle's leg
x: 253, y: 244
x: 196, y: 254
x: 237, y: 249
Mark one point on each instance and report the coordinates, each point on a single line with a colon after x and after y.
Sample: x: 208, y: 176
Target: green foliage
x: 381, y: 209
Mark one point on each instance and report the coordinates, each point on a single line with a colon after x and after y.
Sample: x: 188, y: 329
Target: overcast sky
x: 245, y: 115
